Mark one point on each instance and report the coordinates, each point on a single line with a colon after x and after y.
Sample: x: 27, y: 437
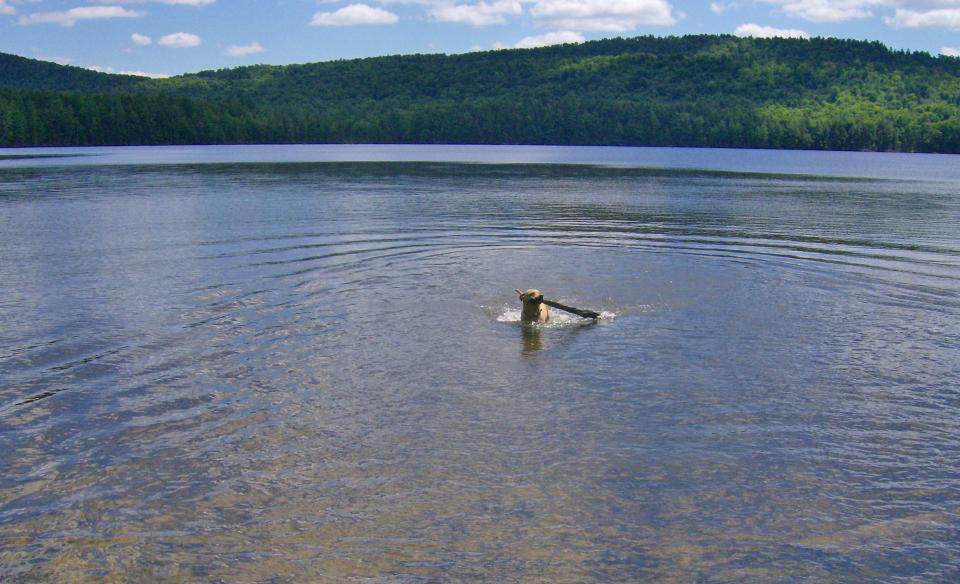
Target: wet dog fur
x: 534, y: 310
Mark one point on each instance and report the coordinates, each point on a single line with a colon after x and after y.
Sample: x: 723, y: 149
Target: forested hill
x: 33, y: 74
x: 680, y: 91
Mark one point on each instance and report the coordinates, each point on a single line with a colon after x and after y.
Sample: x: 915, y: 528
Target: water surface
x: 304, y: 364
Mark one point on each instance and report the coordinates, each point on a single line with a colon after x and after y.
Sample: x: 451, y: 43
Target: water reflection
x: 532, y: 336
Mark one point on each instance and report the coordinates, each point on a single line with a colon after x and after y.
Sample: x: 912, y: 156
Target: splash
x: 558, y: 318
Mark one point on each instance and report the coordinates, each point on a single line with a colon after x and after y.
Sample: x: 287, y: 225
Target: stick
x: 577, y: 311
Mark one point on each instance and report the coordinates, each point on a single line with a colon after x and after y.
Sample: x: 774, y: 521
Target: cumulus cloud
x: 602, y: 15
x: 57, y: 60
x: 550, y: 38
x: 943, y: 14
x: 718, y: 8
x: 620, y: 16
x: 479, y: 14
x: 354, y: 14
x: 174, y: 2
x: 141, y: 40
x: 243, y: 50
x: 128, y: 72
x: 828, y: 10
x: 948, y: 18
x: 75, y: 15
x: 755, y: 30
x: 5, y: 8
x: 834, y: 10
x: 950, y: 52
x: 179, y: 40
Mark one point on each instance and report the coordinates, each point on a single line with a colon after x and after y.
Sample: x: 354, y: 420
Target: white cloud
x: 243, y: 50
x: 6, y: 8
x: 352, y: 15
x: 141, y: 40
x: 944, y: 14
x: 174, y: 2
x: 127, y: 72
x: 416, y: 2
x: 720, y: 8
x: 550, y: 38
x: 75, y: 15
x: 950, y: 52
x: 828, y: 10
x: 57, y: 60
x: 179, y: 40
x: 603, y: 15
x: 755, y: 30
x: 626, y: 15
x: 948, y: 18
x: 835, y: 10
x: 478, y: 14
x: 139, y: 73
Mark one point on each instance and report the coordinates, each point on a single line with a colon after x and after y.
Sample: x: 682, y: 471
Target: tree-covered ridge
x: 680, y: 91
x: 35, y: 74
x: 667, y: 68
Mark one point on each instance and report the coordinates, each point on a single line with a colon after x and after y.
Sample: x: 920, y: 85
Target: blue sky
x: 169, y: 37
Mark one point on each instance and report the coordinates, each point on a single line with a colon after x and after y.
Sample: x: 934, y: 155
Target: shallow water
x: 219, y: 366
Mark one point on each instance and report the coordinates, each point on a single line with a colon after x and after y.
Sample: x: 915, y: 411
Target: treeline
x: 44, y: 118
x: 678, y: 91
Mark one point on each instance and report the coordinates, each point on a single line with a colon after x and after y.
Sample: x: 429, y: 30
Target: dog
x: 534, y: 310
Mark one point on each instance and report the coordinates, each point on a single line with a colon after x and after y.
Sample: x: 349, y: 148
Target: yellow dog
x: 534, y: 310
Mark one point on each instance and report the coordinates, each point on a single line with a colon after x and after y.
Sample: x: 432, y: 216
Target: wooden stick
x: 577, y: 311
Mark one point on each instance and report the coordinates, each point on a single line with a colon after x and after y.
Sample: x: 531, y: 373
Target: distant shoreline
x: 778, y: 164
x: 30, y: 156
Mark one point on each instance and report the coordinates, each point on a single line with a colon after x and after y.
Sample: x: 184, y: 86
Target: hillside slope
x: 24, y: 73
x: 699, y: 90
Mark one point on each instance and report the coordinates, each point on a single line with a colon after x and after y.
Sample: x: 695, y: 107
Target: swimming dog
x: 534, y: 310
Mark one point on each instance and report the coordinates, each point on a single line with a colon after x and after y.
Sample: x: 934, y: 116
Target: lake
x: 305, y: 364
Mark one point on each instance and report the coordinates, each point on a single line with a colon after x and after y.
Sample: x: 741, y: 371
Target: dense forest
x: 676, y: 91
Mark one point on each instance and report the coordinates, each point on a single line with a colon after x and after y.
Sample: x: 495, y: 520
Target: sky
x: 171, y: 37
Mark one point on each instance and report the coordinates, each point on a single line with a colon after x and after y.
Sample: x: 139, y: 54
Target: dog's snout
x: 533, y: 309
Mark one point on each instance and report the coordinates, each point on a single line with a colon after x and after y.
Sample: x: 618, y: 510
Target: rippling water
x: 218, y: 369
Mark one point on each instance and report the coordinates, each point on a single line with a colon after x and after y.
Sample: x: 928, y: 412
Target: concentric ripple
x: 316, y: 372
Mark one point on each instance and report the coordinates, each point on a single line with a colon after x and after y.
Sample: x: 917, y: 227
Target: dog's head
x: 531, y: 297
